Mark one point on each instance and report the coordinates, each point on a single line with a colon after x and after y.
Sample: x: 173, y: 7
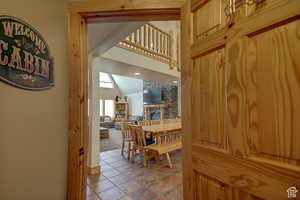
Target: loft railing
x: 151, y: 41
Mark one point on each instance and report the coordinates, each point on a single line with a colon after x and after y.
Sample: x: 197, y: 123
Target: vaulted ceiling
x: 103, y: 36
x: 128, y: 85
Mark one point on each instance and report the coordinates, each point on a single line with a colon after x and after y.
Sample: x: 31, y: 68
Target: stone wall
x: 169, y: 96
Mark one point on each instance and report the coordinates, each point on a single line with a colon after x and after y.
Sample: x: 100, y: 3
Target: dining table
x: 162, y: 128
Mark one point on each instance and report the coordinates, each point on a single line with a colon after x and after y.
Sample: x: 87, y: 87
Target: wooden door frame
x: 79, y: 14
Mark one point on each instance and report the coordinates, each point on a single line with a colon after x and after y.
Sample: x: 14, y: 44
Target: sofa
x: 106, y: 122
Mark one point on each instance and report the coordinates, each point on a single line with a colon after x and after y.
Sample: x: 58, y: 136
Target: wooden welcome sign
x: 25, y: 60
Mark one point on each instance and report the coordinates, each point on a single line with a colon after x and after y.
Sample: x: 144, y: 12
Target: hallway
x: 122, y: 180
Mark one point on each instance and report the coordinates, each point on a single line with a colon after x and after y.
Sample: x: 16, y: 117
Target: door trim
x: 81, y: 13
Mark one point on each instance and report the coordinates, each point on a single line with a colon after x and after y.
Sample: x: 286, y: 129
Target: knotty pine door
x: 245, y: 106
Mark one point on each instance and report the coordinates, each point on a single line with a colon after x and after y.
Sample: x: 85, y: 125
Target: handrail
x: 151, y: 41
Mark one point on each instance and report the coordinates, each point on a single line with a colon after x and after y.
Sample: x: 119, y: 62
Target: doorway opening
x: 134, y: 79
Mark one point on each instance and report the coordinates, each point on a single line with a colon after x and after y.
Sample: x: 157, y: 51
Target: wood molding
x: 186, y: 84
x: 88, y: 6
x: 130, y: 15
x: 145, y: 49
x: 94, y: 170
x: 78, y: 122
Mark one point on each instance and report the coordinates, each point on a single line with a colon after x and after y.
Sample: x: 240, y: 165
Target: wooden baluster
x: 170, y: 50
x: 145, y: 36
x: 142, y: 36
x: 149, y: 37
x: 135, y: 37
x: 167, y: 46
x: 164, y: 44
x: 170, y: 47
x: 161, y: 43
x: 153, y: 39
x: 139, y: 40
x: 138, y: 37
x: 157, y: 40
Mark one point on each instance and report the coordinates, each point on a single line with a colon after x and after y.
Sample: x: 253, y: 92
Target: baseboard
x: 94, y: 170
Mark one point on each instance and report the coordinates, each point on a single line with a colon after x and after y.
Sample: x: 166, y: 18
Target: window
x: 107, y: 108
x: 101, y: 107
x: 105, y: 81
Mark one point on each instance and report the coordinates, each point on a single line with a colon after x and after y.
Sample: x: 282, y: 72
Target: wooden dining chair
x: 127, y: 137
x: 140, y: 144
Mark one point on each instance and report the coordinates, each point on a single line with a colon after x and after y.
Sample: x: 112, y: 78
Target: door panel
x: 209, y: 83
x: 208, y: 17
x: 245, y: 99
x: 208, y: 188
x: 273, y: 56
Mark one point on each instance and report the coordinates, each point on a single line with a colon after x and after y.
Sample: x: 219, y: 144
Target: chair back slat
x: 126, y: 132
x: 138, y: 135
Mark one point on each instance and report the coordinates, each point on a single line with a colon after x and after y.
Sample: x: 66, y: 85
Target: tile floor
x: 122, y: 180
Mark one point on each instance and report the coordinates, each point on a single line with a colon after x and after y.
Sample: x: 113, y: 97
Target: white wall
x: 129, y: 70
x: 95, y: 94
x: 108, y: 93
x: 136, y: 105
x: 94, y: 118
x: 34, y: 124
x: 125, y: 56
x: 103, y: 93
x: 103, y: 36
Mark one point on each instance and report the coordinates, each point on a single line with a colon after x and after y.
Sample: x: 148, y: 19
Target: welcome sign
x: 25, y: 59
